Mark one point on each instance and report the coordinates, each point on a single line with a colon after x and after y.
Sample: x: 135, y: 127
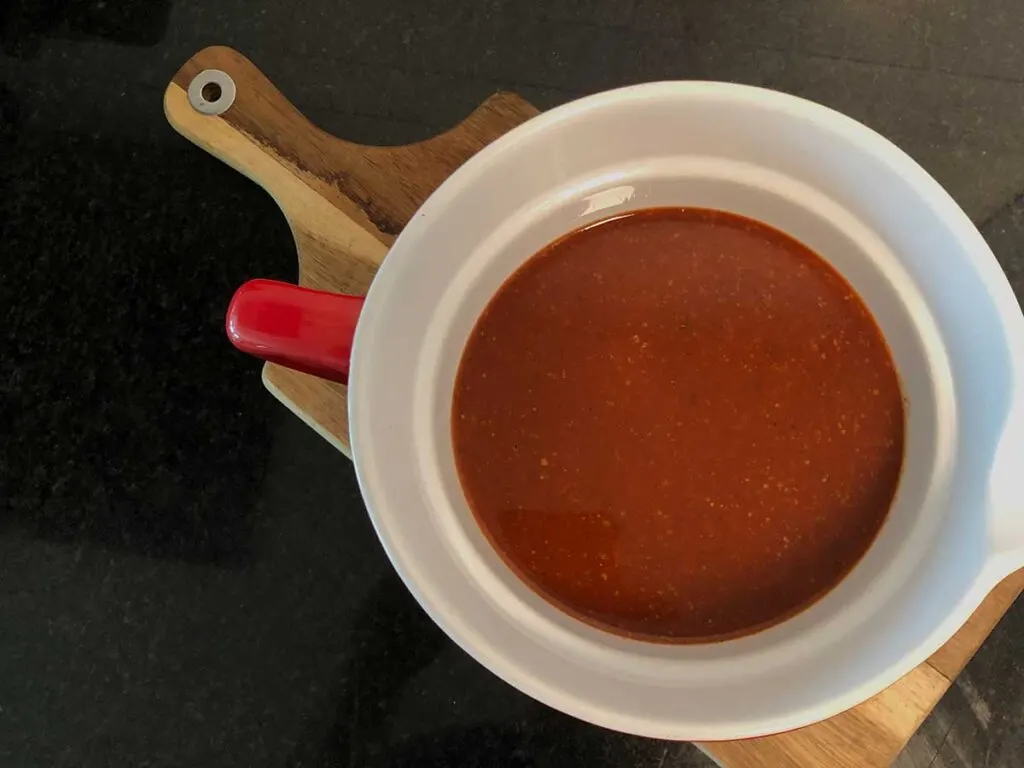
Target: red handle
x: 310, y: 331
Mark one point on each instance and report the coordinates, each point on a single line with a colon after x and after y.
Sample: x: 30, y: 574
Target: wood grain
x: 345, y: 203
x: 951, y: 658
x: 868, y: 736
x: 873, y: 734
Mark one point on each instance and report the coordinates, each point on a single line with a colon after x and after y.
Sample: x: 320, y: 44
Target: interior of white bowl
x: 862, y: 205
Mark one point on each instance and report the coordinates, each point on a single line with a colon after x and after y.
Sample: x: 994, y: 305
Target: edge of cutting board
x: 872, y: 734
x: 345, y: 203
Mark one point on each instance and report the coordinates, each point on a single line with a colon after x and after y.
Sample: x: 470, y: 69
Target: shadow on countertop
x: 383, y: 665
x: 128, y: 419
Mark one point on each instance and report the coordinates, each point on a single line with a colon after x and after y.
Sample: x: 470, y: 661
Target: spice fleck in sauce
x: 680, y: 425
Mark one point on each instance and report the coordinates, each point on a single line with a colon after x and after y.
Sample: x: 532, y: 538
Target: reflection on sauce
x: 679, y: 425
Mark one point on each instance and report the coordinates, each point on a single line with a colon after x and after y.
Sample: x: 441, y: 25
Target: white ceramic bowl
x: 945, y: 307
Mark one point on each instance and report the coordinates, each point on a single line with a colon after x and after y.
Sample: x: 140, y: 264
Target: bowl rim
x: 440, y: 610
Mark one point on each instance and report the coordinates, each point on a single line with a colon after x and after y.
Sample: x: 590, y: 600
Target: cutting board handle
x: 344, y: 202
x: 221, y: 102
x: 220, y: 94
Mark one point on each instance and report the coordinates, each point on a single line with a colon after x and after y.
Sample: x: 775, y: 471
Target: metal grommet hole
x: 211, y: 92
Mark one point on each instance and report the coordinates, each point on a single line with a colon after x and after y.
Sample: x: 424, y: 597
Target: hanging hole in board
x: 211, y: 92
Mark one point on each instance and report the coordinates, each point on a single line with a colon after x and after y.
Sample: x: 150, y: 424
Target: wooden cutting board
x: 345, y: 204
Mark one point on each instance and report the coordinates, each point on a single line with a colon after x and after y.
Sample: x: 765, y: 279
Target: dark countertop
x: 187, y: 576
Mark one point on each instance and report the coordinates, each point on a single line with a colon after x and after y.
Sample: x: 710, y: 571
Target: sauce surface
x: 680, y: 425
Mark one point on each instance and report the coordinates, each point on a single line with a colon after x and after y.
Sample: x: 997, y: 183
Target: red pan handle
x: 310, y: 331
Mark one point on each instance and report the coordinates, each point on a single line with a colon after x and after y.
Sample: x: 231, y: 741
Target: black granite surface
x: 187, y: 576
